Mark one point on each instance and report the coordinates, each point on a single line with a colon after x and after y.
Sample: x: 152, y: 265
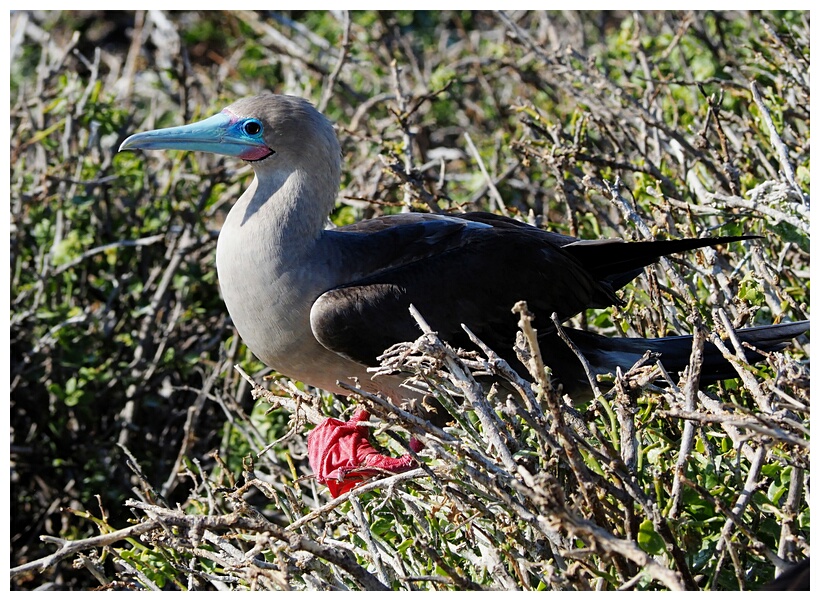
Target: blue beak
x: 221, y: 134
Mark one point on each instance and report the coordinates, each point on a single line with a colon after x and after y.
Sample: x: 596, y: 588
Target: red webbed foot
x: 341, y: 456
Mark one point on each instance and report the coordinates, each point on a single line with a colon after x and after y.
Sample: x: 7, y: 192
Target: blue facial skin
x: 224, y: 133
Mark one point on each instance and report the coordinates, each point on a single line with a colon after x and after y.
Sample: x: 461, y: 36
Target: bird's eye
x: 252, y: 127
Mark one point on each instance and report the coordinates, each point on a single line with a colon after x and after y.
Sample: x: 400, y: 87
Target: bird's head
x: 270, y: 131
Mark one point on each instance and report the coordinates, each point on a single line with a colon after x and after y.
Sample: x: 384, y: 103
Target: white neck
x: 265, y: 260
x: 274, y: 258
x: 282, y: 211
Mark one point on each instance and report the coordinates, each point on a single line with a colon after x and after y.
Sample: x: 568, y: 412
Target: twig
x: 71, y: 547
x: 201, y: 523
x: 801, y: 222
x: 471, y: 389
x: 591, y: 377
x: 494, y: 194
x: 386, y: 483
x: 372, y: 546
x: 407, y: 136
x: 782, y: 151
x: 292, y: 405
x: 785, y: 546
x: 690, y: 399
x: 413, y: 183
x: 327, y: 92
x: 148, y: 240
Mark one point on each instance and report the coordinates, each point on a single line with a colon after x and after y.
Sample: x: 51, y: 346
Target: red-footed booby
x: 319, y: 305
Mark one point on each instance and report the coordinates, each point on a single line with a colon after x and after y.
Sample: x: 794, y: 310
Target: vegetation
x: 141, y: 459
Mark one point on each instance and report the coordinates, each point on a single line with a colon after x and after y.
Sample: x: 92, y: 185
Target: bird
x: 319, y: 304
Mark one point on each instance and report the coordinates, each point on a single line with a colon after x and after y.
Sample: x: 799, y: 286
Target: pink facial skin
x: 253, y: 153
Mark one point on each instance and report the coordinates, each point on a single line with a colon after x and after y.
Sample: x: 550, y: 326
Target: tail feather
x: 606, y: 354
x: 775, y: 337
x: 618, y: 262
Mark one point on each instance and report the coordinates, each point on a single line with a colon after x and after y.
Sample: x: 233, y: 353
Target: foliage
x: 127, y: 419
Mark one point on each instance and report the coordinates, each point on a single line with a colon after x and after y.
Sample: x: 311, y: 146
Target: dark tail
x: 605, y: 354
x: 619, y: 262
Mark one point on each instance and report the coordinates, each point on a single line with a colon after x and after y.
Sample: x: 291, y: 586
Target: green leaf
x: 649, y: 540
